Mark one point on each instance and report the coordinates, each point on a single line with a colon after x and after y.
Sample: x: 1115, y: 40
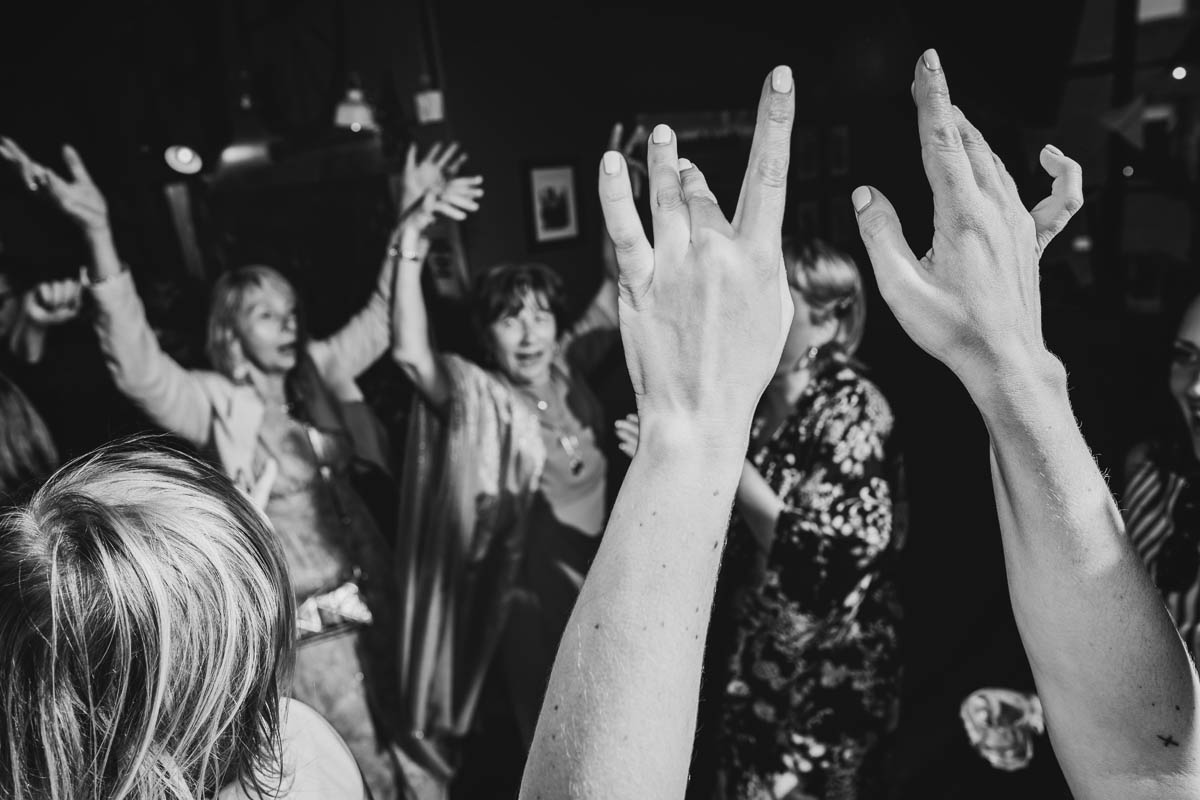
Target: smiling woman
x: 512, y: 449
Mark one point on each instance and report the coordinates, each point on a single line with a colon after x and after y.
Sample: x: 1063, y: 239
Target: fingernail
x: 781, y: 79
x: 612, y: 162
x: 861, y: 198
x: 1054, y: 150
x: 684, y: 164
x: 932, y: 63
x: 661, y: 135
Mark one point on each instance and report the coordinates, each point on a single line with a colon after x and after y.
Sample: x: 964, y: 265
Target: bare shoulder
x: 317, y: 763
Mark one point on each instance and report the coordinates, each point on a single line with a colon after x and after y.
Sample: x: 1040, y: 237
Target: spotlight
x: 1082, y: 244
x: 182, y: 158
x: 1179, y: 73
x: 1127, y: 171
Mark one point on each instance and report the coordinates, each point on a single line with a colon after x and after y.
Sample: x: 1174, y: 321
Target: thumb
x: 891, y: 257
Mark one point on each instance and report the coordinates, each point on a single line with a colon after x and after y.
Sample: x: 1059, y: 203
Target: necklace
x: 567, y: 440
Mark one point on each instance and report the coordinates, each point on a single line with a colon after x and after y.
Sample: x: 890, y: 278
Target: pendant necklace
x: 569, y: 442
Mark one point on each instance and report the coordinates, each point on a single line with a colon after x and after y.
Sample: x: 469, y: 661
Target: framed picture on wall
x: 552, y: 204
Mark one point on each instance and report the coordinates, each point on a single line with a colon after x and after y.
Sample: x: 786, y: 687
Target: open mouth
x: 529, y: 359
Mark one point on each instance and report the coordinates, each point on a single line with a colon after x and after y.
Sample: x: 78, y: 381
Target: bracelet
x: 395, y: 252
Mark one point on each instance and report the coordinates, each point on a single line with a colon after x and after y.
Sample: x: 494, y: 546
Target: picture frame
x: 552, y: 204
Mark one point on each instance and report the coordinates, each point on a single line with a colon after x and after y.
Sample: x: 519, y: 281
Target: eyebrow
x: 1185, y: 344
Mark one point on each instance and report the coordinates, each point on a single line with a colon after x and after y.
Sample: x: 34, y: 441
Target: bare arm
x: 411, y: 347
x: 168, y: 393
x: 760, y: 507
x: 365, y: 337
x: 1118, y: 687
x: 703, y: 319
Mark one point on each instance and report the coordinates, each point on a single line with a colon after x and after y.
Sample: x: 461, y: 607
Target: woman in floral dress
x: 806, y: 617
x: 814, y: 673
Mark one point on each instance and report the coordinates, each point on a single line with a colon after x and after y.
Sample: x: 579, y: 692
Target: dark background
x: 543, y: 82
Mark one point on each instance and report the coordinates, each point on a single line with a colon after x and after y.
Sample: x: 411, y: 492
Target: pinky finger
x: 1066, y: 195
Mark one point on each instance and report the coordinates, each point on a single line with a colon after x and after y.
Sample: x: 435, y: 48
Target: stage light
x: 184, y: 159
x: 1179, y: 73
x: 1127, y: 171
x: 1082, y: 244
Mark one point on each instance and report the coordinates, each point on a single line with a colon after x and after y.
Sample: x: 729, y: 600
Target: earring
x: 806, y: 358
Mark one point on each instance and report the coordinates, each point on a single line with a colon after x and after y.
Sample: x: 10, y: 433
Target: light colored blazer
x: 208, y: 409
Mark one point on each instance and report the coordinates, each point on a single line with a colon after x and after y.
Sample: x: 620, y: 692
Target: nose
x: 1193, y: 389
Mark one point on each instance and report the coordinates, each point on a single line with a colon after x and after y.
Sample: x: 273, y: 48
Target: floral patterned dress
x: 814, y: 673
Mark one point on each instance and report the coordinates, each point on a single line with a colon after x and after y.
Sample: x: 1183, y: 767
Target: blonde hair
x: 147, y: 626
x: 230, y: 296
x: 831, y: 285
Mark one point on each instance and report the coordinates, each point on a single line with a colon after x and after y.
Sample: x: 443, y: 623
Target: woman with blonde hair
x: 806, y: 616
x: 148, y: 626
x: 284, y: 417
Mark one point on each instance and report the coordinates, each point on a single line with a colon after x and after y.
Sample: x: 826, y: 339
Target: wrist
x: 692, y: 436
x: 1019, y: 388
x: 99, y: 233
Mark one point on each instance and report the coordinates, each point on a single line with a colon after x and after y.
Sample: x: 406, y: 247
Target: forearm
x: 105, y: 262
x: 758, y: 505
x: 411, y: 346
x: 621, y: 704
x: 1115, y: 679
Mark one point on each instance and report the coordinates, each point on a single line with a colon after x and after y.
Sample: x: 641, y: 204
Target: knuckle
x: 772, y: 171
x: 1072, y: 203
x: 945, y: 136
x: 779, y: 112
x: 669, y: 197
x: 873, y: 223
x: 614, y: 192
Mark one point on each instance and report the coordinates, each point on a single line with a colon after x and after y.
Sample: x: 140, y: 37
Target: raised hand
x: 627, y: 434
x: 53, y: 302
x: 633, y: 151
x: 704, y: 312
x: 78, y: 197
x: 972, y: 301
x: 458, y: 198
x: 431, y: 173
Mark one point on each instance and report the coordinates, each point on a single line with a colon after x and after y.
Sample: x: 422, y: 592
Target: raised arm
x: 429, y: 186
x: 411, y: 347
x: 169, y: 394
x: 1118, y: 687
x: 704, y: 314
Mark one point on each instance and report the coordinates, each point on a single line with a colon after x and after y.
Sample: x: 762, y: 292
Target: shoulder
x: 316, y: 758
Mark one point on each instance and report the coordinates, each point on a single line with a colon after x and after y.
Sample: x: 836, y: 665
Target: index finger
x: 764, y: 188
x: 946, y: 163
